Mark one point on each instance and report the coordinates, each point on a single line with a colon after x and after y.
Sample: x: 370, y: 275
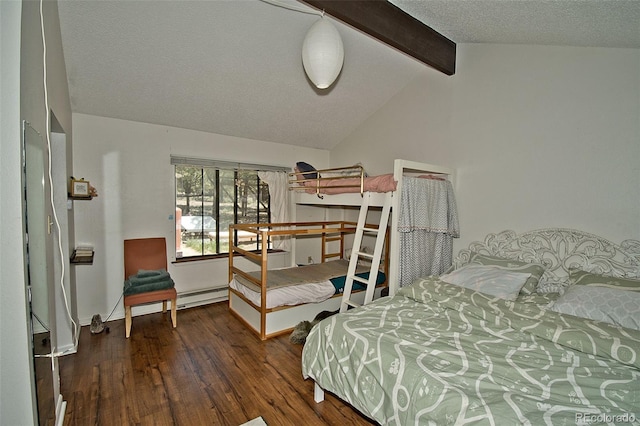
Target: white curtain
x: 427, y: 224
x: 280, y: 206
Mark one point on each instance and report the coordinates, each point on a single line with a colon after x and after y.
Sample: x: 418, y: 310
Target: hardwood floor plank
x: 211, y: 370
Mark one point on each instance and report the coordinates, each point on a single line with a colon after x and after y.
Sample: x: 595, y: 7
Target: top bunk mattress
x: 345, y: 183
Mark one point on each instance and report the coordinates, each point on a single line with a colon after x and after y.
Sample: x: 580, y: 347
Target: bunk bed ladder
x: 357, y: 253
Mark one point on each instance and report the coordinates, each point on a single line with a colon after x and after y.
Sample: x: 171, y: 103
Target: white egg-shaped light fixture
x: 322, y: 53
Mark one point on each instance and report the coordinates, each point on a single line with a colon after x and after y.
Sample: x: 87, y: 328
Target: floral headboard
x: 558, y: 250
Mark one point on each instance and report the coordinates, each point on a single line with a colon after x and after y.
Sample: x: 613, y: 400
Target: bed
x: 312, y: 187
x: 562, y: 346
x: 272, y: 301
x: 313, y: 283
x: 251, y: 297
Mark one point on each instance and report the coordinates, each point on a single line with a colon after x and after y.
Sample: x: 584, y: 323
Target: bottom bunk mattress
x: 303, y: 284
x: 290, y: 295
x: 440, y: 354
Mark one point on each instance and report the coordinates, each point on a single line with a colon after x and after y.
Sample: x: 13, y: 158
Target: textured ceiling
x: 588, y: 23
x: 234, y: 66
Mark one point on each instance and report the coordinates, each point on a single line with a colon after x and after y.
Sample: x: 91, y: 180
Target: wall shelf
x: 77, y: 197
x: 81, y: 260
x: 82, y: 255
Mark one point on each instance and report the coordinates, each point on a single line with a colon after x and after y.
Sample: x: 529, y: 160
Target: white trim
x: 61, y: 408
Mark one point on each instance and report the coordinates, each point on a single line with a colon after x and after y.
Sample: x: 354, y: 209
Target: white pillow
x: 610, y: 305
x: 490, y: 280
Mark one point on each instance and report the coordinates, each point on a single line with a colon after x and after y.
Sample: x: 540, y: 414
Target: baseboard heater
x: 204, y: 296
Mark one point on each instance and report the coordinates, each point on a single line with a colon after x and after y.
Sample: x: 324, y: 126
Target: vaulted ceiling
x: 234, y: 66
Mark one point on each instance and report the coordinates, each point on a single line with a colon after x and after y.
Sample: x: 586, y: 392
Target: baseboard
x: 61, y: 408
x: 193, y: 298
x: 186, y: 299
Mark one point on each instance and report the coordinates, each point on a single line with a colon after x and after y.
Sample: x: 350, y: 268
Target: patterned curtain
x: 427, y: 224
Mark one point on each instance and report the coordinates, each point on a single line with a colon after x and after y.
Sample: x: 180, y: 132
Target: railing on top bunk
x: 329, y: 231
x: 264, y: 232
x: 340, y: 178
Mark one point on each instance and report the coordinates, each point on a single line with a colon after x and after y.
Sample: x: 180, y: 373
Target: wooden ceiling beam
x: 391, y: 25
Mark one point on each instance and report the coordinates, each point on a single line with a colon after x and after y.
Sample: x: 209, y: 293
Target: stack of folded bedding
x: 145, y: 281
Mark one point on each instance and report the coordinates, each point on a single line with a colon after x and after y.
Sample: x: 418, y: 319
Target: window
x: 211, y: 195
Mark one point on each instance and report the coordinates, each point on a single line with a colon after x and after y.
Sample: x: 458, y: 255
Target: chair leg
x: 173, y: 312
x: 127, y: 321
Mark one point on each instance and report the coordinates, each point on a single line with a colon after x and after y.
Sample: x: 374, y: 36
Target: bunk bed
x: 560, y: 347
x: 271, y: 302
x: 310, y: 195
x: 252, y: 293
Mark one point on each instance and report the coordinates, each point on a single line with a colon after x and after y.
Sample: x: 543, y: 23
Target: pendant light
x: 322, y: 53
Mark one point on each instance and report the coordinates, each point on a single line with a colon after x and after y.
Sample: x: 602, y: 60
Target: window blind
x: 224, y: 165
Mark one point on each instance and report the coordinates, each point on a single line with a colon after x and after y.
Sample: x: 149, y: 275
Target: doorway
x: 48, y: 231
x: 39, y: 252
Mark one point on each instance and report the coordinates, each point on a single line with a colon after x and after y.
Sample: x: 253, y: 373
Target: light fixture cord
x: 74, y: 325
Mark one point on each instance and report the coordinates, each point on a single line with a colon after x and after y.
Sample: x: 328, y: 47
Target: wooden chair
x: 147, y: 254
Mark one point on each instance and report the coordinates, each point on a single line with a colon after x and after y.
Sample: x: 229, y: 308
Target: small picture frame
x: 80, y: 188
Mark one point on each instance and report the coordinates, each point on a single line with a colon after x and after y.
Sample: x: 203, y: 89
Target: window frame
x: 237, y: 169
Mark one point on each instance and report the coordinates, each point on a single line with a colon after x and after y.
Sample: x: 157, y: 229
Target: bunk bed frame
x: 270, y: 322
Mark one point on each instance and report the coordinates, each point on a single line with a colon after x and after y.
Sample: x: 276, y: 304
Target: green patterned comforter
x: 440, y: 354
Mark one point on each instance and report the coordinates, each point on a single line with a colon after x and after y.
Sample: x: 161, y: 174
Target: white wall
x: 128, y: 163
x: 539, y: 136
x: 23, y: 99
x: 17, y: 400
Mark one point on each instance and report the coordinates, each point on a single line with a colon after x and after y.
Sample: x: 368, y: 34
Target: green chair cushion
x: 146, y: 281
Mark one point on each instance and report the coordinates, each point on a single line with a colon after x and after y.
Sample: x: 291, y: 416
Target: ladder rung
x: 363, y: 254
x: 360, y: 280
x: 373, y: 230
x: 352, y: 304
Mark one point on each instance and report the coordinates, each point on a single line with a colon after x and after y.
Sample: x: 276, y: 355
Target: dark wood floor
x: 210, y: 370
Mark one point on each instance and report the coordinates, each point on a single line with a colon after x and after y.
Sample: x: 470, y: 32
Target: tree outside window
x: 208, y: 200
